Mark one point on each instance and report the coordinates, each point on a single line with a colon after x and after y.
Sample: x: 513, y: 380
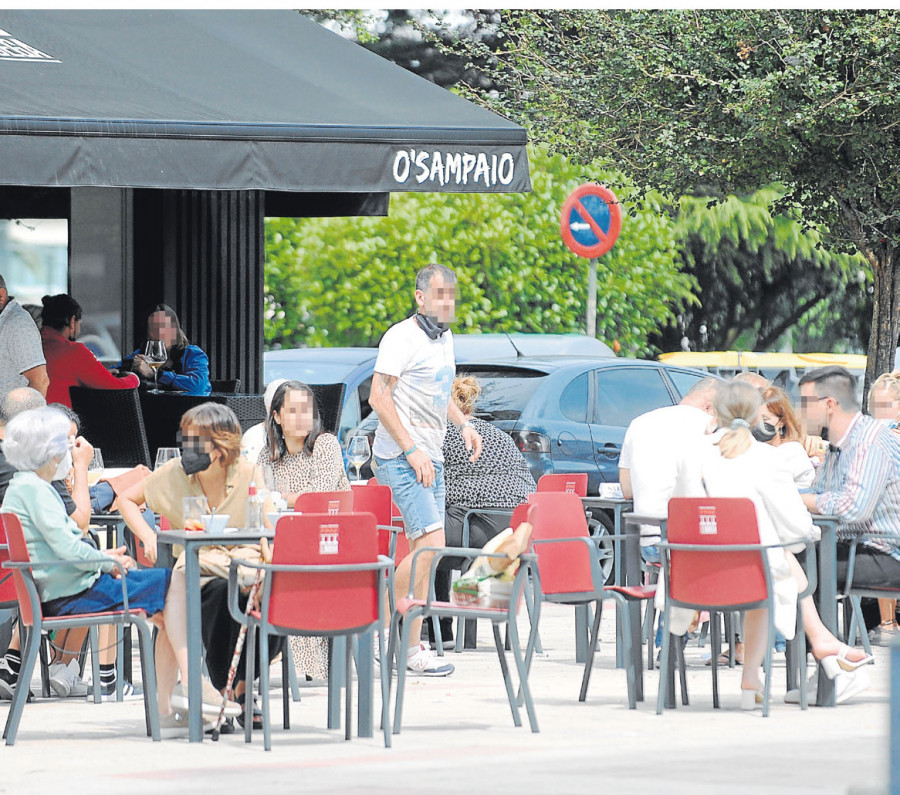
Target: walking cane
x: 238, y: 648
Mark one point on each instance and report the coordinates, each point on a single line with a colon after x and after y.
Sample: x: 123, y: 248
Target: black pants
x: 220, y: 633
x: 481, y: 530
x: 871, y: 568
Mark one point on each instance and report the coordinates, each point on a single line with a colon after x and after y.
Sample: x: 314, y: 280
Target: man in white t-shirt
x: 411, y: 395
x: 648, y: 465
x: 21, y: 354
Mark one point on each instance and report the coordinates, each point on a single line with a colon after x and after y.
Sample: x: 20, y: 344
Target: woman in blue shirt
x: 187, y: 368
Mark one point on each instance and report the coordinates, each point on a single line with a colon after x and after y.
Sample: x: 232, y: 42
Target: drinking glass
x: 193, y: 509
x: 358, y: 452
x: 165, y: 454
x: 156, y: 356
x: 95, y: 468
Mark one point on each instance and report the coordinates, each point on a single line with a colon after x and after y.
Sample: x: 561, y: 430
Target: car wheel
x: 601, y: 527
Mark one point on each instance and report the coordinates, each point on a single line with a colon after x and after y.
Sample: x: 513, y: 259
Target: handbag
x: 215, y: 561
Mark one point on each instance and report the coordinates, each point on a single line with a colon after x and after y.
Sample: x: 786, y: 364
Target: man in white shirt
x: 21, y: 354
x: 411, y: 396
x: 648, y: 465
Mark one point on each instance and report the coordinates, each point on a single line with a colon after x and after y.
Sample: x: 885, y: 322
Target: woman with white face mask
x: 36, y: 443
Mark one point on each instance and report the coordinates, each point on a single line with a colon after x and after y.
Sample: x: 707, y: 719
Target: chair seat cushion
x: 405, y: 604
x: 633, y: 591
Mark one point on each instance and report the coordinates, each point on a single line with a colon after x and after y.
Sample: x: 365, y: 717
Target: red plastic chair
x: 714, y: 561
x: 31, y: 616
x: 324, y: 502
x: 573, y: 483
x: 569, y: 572
x: 410, y: 608
x: 326, y: 578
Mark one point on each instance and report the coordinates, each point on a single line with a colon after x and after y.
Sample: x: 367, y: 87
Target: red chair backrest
x: 723, y: 578
x: 575, y: 483
x: 327, y: 601
x: 375, y: 498
x: 7, y: 583
x: 564, y: 567
x: 324, y: 502
x: 18, y: 552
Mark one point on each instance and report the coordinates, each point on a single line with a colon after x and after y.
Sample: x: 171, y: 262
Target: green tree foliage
x: 759, y: 274
x: 809, y: 99
x: 344, y: 281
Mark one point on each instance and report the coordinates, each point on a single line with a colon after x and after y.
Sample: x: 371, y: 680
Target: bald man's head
x: 18, y: 400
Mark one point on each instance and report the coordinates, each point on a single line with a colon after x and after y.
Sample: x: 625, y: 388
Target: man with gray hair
x: 859, y: 480
x: 410, y: 394
x: 21, y: 355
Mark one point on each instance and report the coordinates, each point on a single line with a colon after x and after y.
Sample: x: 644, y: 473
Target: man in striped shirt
x: 859, y: 480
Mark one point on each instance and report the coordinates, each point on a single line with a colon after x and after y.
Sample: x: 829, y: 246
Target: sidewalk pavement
x: 458, y: 736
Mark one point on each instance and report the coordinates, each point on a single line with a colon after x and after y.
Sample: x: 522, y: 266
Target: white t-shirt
x: 20, y: 347
x: 795, y: 459
x: 653, y: 445
x: 425, y: 369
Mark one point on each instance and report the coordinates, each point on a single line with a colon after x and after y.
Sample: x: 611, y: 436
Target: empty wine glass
x: 156, y: 356
x: 166, y: 454
x: 358, y: 452
x: 95, y: 468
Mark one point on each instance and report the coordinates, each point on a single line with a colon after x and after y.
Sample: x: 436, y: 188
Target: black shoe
x: 8, y: 681
x: 257, y: 713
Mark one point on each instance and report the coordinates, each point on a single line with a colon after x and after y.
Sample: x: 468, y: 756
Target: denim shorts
x: 422, y: 508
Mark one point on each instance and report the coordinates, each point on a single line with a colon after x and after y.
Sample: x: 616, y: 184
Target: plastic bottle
x: 253, y: 512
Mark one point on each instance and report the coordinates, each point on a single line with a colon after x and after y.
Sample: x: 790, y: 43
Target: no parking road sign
x: 591, y: 220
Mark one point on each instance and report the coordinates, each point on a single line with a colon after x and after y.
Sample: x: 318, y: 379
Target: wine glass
x: 358, y: 452
x: 156, y: 356
x: 166, y: 454
x: 95, y: 468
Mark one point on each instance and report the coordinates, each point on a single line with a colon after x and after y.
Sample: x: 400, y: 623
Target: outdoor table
x: 192, y: 541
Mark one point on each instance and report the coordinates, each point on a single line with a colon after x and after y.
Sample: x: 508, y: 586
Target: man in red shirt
x: 70, y: 363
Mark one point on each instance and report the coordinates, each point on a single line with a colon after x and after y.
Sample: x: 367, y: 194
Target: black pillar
x: 203, y: 252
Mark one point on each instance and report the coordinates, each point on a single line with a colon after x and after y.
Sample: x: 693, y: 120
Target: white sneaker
x: 425, y: 662
x: 77, y: 687
x: 212, y: 700
x: 176, y: 725
x: 59, y: 679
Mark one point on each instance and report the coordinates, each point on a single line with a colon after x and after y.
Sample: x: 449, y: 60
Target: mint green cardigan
x: 52, y: 535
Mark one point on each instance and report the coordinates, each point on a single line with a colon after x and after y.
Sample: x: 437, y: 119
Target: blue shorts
x: 147, y: 590
x: 422, y: 508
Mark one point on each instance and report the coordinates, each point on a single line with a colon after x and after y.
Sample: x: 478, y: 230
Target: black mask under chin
x: 432, y: 327
x: 194, y: 460
x: 763, y: 432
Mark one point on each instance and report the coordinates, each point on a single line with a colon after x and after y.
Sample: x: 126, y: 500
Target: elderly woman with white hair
x: 36, y: 444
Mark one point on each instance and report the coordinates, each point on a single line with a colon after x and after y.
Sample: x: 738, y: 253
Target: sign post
x: 590, y: 225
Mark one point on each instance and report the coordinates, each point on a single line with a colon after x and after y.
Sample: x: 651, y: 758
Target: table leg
x: 633, y: 577
x: 365, y: 677
x: 194, y: 642
x: 827, y: 601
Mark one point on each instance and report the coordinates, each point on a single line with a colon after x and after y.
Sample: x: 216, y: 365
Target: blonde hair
x: 890, y: 383
x: 465, y: 392
x: 220, y: 424
x: 737, y: 406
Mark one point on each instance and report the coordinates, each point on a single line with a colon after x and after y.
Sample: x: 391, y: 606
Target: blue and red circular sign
x: 591, y: 220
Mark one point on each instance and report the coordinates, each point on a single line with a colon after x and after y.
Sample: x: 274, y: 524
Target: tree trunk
x: 885, y: 315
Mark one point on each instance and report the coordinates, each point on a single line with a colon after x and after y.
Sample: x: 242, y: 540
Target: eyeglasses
x: 805, y: 401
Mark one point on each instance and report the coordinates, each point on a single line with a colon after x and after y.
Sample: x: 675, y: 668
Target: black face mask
x: 763, y: 432
x: 194, y: 460
x: 430, y: 326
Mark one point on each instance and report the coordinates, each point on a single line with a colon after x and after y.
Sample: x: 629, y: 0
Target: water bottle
x: 253, y: 511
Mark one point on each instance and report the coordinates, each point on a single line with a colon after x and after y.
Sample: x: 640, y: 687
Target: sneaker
x: 66, y: 681
x: 212, y: 700
x: 176, y: 725
x: 884, y: 635
x: 8, y: 680
x: 130, y: 692
x: 425, y: 662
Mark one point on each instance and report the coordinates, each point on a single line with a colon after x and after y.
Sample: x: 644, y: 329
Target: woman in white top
x: 730, y: 463
x: 779, y: 427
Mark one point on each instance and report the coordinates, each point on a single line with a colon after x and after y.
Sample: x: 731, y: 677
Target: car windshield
x: 504, y: 391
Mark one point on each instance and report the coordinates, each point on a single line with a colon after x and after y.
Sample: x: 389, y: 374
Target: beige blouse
x: 300, y: 473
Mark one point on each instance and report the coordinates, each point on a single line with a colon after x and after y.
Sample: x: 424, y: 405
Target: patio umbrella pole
x: 238, y: 648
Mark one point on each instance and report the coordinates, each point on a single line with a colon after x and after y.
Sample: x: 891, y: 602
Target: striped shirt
x: 859, y: 482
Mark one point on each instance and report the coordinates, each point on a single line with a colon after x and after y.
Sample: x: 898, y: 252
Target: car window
x: 684, y: 380
x: 623, y: 393
x: 573, y: 402
x: 307, y: 372
x: 504, y: 392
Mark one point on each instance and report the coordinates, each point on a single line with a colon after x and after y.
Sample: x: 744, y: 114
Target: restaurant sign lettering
x: 439, y: 168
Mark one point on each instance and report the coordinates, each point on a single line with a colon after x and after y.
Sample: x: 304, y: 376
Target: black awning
x: 232, y: 100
